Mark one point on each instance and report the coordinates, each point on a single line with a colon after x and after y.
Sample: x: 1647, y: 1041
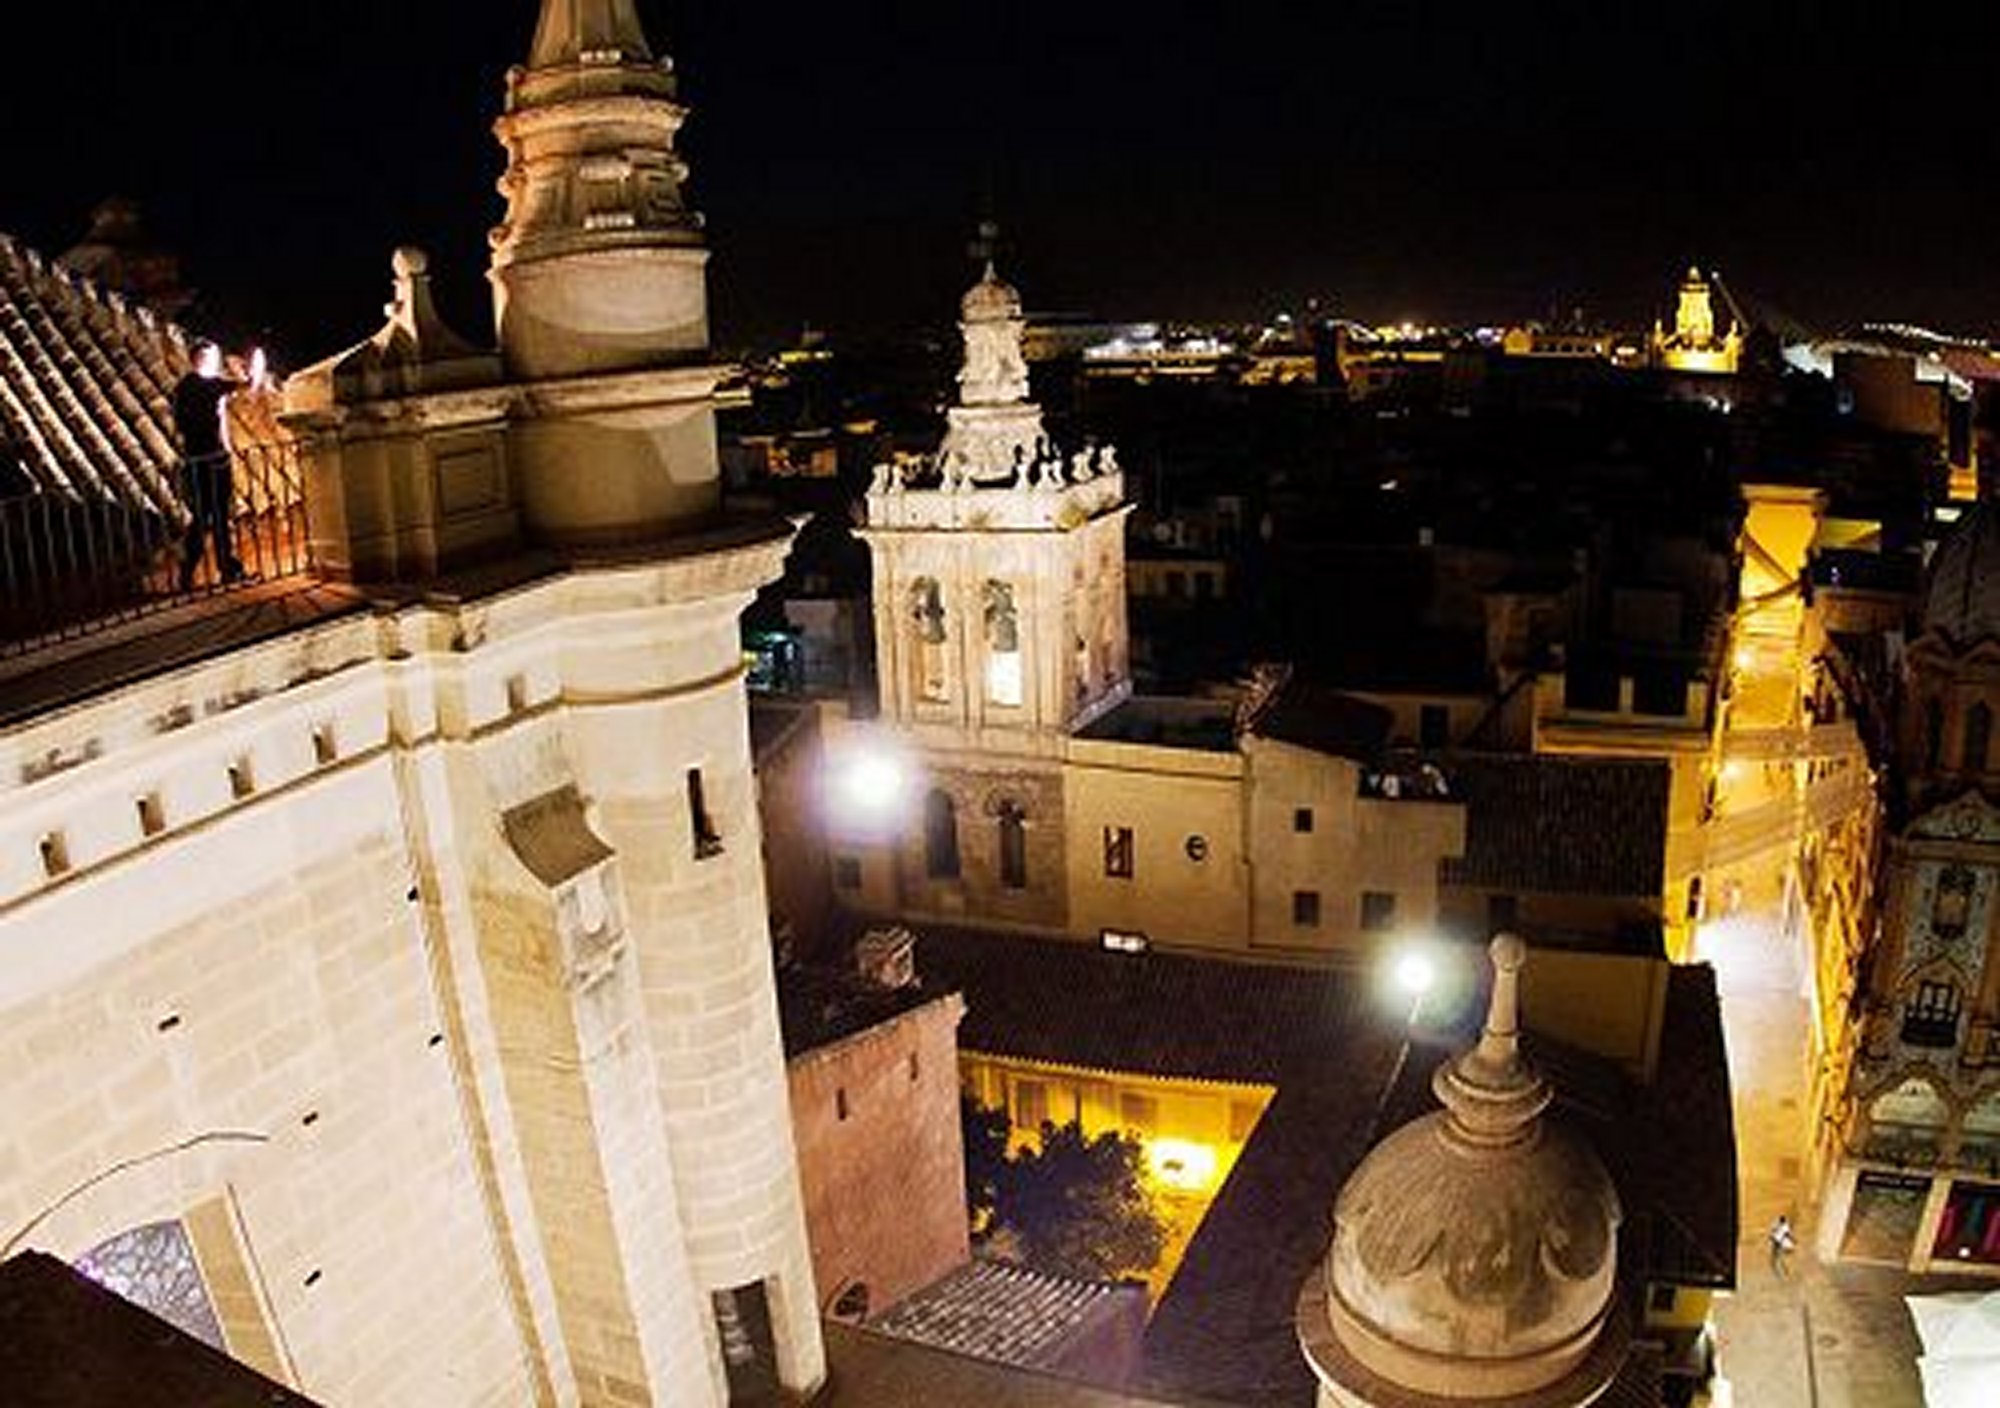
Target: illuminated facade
x: 1915, y: 1171
x: 401, y: 948
x: 1695, y: 344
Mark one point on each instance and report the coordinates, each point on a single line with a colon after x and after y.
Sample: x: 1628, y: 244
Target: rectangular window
x: 1378, y: 910
x: 1031, y: 1103
x: 847, y: 872
x: 152, y: 815
x: 1118, y: 852
x: 1662, y: 1300
x: 1302, y: 819
x: 706, y: 841
x: 1204, y: 587
x: 1176, y: 584
x: 1137, y: 1113
x: 1305, y: 908
x: 1433, y: 726
x: 242, y: 781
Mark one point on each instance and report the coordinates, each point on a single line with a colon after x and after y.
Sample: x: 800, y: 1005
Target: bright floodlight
x: 872, y: 782
x: 1415, y: 973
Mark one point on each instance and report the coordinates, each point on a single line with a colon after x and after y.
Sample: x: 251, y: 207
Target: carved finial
x: 1493, y: 1095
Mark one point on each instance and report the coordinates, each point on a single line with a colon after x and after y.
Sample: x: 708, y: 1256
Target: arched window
x: 927, y: 628
x: 154, y: 1267
x: 940, y: 835
x: 1003, y: 646
x: 1013, y: 846
x: 1933, y: 734
x: 1978, y: 734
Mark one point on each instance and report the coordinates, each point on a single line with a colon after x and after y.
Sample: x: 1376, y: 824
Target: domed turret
x: 1963, y: 602
x: 1474, y: 1251
x: 991, y: 300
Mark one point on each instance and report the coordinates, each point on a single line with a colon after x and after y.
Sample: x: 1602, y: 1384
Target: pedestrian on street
x: 1782, y: 1245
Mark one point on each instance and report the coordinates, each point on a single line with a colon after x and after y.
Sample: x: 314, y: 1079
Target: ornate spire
x: 571, y: 30
x: 598, y: 265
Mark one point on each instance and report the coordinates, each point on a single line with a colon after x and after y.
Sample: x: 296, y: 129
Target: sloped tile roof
x: 85, y: 381
x: 1004, y: 1313
x: 1561, y: 825
x: 1159, y: 1014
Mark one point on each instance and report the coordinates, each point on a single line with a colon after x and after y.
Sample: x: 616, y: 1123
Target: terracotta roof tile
x: 1561, y: 825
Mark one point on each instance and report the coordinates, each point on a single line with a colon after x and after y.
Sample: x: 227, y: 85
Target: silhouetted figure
x: 205, y: 476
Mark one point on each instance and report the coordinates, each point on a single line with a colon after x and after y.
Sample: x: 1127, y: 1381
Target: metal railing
x: 75, y: 564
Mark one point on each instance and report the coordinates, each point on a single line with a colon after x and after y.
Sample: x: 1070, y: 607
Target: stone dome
x: 1474, y: 1252
x: 991, y: 300
x: 1963, y: 600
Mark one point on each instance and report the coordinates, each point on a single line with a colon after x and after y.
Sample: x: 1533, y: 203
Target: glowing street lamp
x: 1413, y: 972
x: 867, y: 785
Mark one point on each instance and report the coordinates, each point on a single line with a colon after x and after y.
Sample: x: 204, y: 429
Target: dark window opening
x: 1978, y: 735
x: 1305, y: 908
x: 1433, y: 726
x: 847, y: 872
x: 1502, y: 912
x: 1013, y: 846
x: 1302, y: 819
x: 1933, y: 734
x: 1378, y: 910
x: 940, y: 836
x: 749, y: 1351
x: 707, y: 841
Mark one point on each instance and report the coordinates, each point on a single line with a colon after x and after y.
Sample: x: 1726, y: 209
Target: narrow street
x: 1820, y: 1336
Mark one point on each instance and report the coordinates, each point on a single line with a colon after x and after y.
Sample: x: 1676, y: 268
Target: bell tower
x: 599, y: 271
x: 999, y: 588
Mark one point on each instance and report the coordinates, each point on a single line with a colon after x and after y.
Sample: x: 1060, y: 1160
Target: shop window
x: 1305, y: 908
x: 1118, y: 852
x: 1969, y: 1231
x: 1378, y: 910
x: 1930, y: 1018
x: 940, y: 835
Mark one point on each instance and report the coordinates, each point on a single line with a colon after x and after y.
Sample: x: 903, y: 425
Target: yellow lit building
x: 1695, y: 345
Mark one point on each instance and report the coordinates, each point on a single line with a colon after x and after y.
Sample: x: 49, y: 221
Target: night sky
x: 1454, y: 161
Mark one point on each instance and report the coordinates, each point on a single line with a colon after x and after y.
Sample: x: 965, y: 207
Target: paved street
x: 1836, y: 1336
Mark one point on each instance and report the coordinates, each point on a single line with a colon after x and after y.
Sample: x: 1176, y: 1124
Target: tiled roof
x: 1155, y: 1013
x: 1224, y: 1330
x: 870, y: 1370
x: 1561, y: 825
x: 85, y: 378
x: 818, y: 1006
x: 66, y: 1342
x: 1324, y: 720
x: 1004, y: 1313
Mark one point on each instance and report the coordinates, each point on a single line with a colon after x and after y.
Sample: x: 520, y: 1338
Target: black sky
x: 1399, y: 157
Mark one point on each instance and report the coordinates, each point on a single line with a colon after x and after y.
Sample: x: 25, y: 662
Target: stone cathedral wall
x: 256, y: 1050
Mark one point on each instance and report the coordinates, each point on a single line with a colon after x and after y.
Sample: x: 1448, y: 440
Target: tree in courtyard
x: 1079, y: 1206
x: 985, y: 1136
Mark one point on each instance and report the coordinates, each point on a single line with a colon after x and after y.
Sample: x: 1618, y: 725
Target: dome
x: 1474, y: 1251
x: 991, y: 300
x: 1963, y: 602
